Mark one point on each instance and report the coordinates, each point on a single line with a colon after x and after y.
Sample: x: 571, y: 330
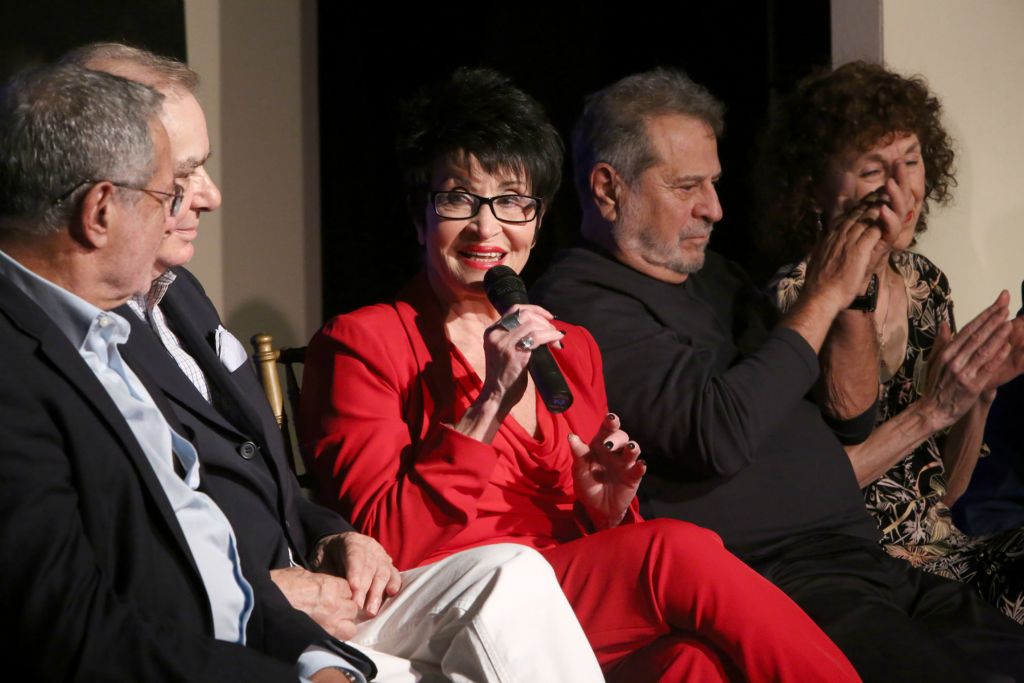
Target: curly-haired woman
x: 864, y: 143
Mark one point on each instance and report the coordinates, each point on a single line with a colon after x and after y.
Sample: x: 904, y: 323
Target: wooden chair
x: 267, y: 360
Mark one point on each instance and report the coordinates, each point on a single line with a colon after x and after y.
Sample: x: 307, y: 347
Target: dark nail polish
x: 608, y: 445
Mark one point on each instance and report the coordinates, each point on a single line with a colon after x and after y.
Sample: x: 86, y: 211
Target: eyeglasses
x: 176, y: 197
x: 507, y: 208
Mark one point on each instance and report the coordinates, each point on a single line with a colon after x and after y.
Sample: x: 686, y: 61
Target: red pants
x: 664, y: 600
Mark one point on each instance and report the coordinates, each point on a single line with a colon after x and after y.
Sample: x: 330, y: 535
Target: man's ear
x: 96, y: 213
x: 606, y: 190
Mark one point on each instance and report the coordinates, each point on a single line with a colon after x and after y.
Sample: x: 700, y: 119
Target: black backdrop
x: 371, y: 56
x: 33, y: 32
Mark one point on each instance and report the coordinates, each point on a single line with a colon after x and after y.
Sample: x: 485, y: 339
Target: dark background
x: 371, y: 57
x: 36, y: 32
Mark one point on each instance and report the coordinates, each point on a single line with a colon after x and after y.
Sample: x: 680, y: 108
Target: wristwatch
x: 867, y: 300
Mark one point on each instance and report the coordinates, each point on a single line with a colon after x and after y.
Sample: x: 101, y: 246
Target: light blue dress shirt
x: 95, y: 334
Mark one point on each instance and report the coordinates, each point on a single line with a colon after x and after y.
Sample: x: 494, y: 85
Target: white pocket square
x: 230, y: 351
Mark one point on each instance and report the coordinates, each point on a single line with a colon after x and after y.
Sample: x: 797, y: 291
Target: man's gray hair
x: 613, y: 127
x: 61, y: 126
x: 136, y: 64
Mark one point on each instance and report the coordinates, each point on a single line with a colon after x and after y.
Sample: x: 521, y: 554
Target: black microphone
x: 505, y: 289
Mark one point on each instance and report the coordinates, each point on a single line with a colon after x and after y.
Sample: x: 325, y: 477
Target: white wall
x: 259, y: 256
x: 202, y: 36
x: 972, y: 54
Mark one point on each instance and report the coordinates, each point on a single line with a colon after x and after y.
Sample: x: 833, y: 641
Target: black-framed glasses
x: 507, y: 208
x: 176, y: 197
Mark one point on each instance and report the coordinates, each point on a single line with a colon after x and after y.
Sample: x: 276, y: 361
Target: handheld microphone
x: 505, y: 289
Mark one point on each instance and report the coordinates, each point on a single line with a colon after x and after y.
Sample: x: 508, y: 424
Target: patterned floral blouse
x: 906, y: 501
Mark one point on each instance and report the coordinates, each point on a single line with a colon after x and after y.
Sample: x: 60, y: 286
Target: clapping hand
x: 962, y: 367
x: 841, y: 261
x: 1013, y: 365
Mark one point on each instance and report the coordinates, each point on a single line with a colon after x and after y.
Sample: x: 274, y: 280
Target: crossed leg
x: 663, y: 584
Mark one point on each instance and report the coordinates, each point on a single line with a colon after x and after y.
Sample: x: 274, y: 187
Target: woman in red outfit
x: 425, y: 428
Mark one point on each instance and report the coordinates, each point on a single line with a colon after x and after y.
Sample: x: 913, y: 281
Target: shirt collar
x: 73, y: 315
x: 147, y: 301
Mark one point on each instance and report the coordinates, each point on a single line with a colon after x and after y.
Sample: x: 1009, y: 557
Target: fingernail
x: 608, y: 445
x: 631, y: 445
x: 611, y: 416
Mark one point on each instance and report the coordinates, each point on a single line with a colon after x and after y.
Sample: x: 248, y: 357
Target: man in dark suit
x: 202, y: 369
x: 210, y: 386
x: 115, y: 565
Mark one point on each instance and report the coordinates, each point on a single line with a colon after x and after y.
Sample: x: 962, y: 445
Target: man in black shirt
x: 720, y: 392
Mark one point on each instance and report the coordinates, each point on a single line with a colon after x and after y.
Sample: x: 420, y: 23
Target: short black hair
x: 479, y: 112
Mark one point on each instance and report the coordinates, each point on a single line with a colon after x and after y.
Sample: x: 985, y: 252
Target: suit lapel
x: 184, y: 306
x: 144, y: 349
x: 195, y: 339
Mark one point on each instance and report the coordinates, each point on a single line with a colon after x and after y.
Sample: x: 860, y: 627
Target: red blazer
x: 380, y: 387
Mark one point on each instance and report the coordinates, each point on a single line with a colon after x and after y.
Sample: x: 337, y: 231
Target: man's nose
x: 709, y: 208
x: 206, y: 195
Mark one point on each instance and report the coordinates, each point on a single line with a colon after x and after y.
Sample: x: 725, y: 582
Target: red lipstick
x: 482, y: 257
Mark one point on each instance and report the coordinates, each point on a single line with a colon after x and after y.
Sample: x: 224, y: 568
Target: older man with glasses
x: 116, y: 564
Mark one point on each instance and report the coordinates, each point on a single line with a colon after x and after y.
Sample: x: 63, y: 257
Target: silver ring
x: 526, y: 343
x: 510, y: 321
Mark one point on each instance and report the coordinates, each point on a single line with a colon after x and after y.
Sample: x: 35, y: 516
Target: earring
x: 818, y: 222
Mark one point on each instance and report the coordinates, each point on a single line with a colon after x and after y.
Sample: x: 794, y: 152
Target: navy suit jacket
x: 239, y: 444
x: 96, y: 579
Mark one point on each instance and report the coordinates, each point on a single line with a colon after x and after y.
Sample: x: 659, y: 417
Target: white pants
x: 494, y: 613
